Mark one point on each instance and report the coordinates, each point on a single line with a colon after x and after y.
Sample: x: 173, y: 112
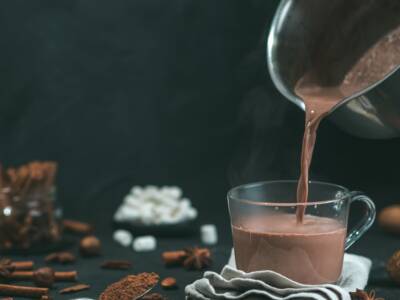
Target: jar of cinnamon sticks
x: 29, y: 215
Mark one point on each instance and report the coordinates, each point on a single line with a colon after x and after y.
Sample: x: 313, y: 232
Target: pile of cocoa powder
x: 130, y: 287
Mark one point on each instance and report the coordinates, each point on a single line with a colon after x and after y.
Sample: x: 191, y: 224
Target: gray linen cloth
x: 233, y: 284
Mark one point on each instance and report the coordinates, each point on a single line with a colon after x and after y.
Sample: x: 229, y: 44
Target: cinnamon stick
x: 22, y: 265
x: 58, y: 276
x: 77, y: 226
x: 22, y: 291
x: 116, y: 264
x: 66, y: 276
x: 74, y: 288
x: 173, y: 258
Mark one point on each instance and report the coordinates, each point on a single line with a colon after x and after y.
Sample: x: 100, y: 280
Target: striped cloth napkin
x: 233, y: 284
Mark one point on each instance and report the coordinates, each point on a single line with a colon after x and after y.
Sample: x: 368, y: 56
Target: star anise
x: 363, y: 295
x: 197, y: 259
x: 6, y: 267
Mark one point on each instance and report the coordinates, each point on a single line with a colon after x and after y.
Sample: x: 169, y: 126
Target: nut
x: 169, y: 283
x: 389, y: 218
x: 393, y: 267
x: 44, y: 277
x: 90, y: 246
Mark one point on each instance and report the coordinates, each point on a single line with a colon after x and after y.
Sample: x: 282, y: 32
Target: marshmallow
x: 136, y: 191
x: 122, y: 237
x: 174, y: 192
x: 131, y: 200
x: 192, y: 213
x: 146, y: 216
x: 144, y: 243
x: 128, y: 212
x: 209, y: 235
x: 118, y: 217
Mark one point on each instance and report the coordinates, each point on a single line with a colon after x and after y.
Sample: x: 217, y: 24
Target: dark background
x: 125, y: 93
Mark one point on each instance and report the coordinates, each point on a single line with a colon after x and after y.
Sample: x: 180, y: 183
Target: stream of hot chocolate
x: 318, y: 102
x: 379, y: 60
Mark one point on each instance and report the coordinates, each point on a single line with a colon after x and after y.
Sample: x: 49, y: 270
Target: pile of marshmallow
x: 151, y: 205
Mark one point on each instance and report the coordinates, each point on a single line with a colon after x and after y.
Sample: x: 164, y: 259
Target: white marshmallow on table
x: 123, y: 237
x: 144, y: 243
x: 209, y: 235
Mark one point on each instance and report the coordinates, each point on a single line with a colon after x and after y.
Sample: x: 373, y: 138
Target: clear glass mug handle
x: 365, y: 223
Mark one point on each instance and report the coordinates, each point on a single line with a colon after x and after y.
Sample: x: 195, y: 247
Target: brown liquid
x: 306, y: 248
x: 319, y: 100
x: 310, y: 253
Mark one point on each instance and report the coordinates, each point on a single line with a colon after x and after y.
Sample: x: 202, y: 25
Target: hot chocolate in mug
x: 268, y: 236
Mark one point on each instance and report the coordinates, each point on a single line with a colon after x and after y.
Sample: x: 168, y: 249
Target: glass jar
x: 29, y: 219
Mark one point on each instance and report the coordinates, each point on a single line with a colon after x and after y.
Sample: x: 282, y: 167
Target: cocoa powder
x: 130, y: 287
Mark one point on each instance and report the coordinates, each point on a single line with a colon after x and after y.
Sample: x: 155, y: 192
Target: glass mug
x: 267, y: 236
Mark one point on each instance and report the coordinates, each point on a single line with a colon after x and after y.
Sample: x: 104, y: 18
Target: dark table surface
x: 375, y: 244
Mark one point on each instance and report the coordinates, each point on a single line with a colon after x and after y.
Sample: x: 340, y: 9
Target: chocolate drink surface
x: 310, y: 252
x: 379, y: 60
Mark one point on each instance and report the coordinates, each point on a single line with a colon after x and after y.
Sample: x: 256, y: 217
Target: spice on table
x: 90, y: 246
x: 389, y: 218
x: 77, y: 226
x: 75, y: 288
x: 43, y: 276
x: 192, y: 258
x: 130, y: 287
x: 7, y: 266
x: 393, y: 267
x: 169, y: 283
x: 173, y: 258
x: 153, y: 296
x: 22, y: 291
x: 60, y: 257
x: 22, y: 265
x: 197, y: 258
x: 363, y: 295
x: 116, y: 264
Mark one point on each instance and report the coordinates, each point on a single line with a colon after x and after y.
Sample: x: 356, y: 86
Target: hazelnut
x: 169, y: 283
x: 90, y: 246
x: 393, y: 267
x: 389, y: 218
x: 44, y: 277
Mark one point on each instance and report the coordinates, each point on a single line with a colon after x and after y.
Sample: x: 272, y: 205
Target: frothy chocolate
x: 310, y: 253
